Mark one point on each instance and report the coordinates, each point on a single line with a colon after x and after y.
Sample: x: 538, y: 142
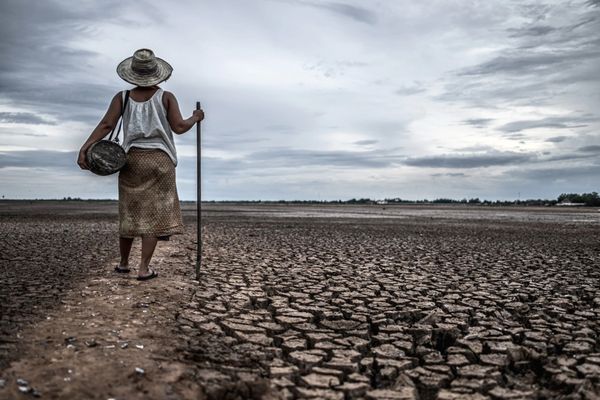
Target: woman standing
x: 148, y: 200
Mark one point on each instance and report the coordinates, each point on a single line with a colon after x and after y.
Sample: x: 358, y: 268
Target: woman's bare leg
x: 125, y: 248
x: 148, y: 246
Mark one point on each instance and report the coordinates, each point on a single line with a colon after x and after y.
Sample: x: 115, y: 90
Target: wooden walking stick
x: 198, y: 200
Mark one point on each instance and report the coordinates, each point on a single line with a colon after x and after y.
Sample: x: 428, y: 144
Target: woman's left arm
x: 106, y: 124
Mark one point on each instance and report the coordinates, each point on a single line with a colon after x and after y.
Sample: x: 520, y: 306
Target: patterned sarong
x: 148, y: 200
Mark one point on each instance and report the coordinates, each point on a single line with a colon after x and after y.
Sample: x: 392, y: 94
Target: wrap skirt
x: 148, y: 200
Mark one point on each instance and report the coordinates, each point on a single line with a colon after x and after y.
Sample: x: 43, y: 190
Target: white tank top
x: 145, y: 125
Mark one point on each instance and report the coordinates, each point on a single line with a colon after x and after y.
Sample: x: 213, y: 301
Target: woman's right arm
x: 106, y: 124
x: 176, y: 121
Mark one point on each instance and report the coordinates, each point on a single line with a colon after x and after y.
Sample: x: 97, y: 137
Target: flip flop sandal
x: 154, y: 274
x: 122, y: 270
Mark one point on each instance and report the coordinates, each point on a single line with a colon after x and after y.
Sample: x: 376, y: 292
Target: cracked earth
x: 335, y: 302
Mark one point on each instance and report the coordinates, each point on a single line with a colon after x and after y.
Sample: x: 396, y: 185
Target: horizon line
x: 361, y: 199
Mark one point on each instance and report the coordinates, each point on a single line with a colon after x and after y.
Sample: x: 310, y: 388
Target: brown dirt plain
x: 323, y: 302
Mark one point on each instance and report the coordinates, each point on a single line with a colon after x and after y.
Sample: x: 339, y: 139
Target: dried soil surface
x: 339, y: 302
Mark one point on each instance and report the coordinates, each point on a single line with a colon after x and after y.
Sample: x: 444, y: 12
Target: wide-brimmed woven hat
x: 144, y: 68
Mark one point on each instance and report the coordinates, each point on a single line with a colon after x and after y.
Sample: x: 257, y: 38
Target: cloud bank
x: 316, y: 99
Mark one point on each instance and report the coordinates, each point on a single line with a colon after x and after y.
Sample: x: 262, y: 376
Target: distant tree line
x: 477, y: 201
x: 586, y: 199
x: 589, y: 199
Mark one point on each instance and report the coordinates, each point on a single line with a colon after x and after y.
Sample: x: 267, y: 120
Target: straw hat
x: 144, y: 68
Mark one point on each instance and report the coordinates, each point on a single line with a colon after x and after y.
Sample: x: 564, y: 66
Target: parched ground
x: 338, y: 302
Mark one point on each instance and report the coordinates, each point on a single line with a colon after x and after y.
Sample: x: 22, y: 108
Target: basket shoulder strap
x: 124, y: 102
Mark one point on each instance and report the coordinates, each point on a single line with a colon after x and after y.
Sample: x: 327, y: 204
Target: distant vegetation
x: 583, y: 199
x: 588, y: 199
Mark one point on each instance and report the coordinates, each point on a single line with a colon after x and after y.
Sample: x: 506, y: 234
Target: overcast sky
x: 309, y: 99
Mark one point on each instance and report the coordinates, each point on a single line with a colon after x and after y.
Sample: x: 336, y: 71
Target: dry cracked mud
x: 335, y: 303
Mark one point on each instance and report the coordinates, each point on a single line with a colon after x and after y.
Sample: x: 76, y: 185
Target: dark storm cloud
x: 593, y: 3
x: 68, y: 101
x: 477, y: 122
x: 289, y: 157
x: 450, y: 174
x: 283, y: 157
x: 557, y: 139
x: 549, y: 122
x: 541, y: 64
x: 590, y: 149
x: 515, y: 136
x: 39, y: 159
x: 37, y: 69
x: 269, y: 161
x: 582, y: 23
x: 365, y: 142
x: 569, y: 157
x: 490, y: 95
x: 553, y: 174
x: 410, y: 90
x: 551, y: 34
x: 538, y: 30
x: 23, y: 118
x: 488, y: 159
x: 32, y: 33
x: 519, y: 63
